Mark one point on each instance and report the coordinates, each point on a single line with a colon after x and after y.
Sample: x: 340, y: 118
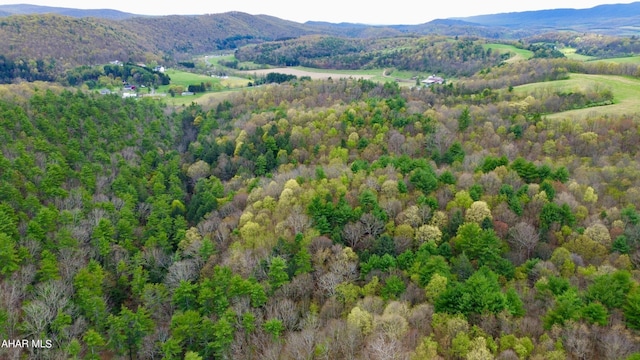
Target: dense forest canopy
x: 340, y: 218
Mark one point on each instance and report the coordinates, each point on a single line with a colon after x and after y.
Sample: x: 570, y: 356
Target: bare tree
x: 298, y: 221
x: 37, y: 315
x: 284, y: 310
x: 184, y: 270
x: 353, y: 234
x: 301, y: 345
x: 328, y: 282
x: 395, y: 142
x: 371, y: 225
x: 615, y: 343
x: 384, y: 348
x: 578, y: 341
x: 524, y: 237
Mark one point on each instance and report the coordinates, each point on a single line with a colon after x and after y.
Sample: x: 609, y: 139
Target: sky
x: 406, y: 12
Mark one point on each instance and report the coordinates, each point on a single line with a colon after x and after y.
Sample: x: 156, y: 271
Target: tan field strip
x: 312, y: 74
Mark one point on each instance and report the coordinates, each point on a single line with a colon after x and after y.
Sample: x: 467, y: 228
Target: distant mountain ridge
x: 610, y: 18
x: 75, y: 37
x: 27, y: 9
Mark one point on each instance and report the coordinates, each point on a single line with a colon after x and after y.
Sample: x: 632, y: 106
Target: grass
x: 623, y: 60
x: 376, y: 75
x: 626, y: 94
x: 570, y: 53
x: 185, y: 78
x: 520, y: 54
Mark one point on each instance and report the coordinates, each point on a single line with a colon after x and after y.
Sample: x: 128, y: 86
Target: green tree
x: 393, y: 287
x: 88, y: 283
x: 128, y: 329
x: 464, y: 120
x: 480, y: 294
x: 48, y: 266
x: 273, y: 327
x: 567, y: 307
x: 302, y: 261
x: 595, y: 313
x: 632, y: 309
x: 223, y: 333
x: 514, y: 303
x: 610, y: 289
x: 95, y: 342
x: 184, y: 296
x: 190, y: 355
x: 9, y: 258
x: 277, y: 272
x: 478, y: 244
x: 424, y: 180
x: 205, y: 198
x: 186, y: 329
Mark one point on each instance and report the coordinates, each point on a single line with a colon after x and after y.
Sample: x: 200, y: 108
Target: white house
x: 433, y: 79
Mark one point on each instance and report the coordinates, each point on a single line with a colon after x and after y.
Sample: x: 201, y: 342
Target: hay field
x: 315, y: 74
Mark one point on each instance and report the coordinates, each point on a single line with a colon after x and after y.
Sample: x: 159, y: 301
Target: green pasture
x: 570, y: 53
x: 623, y: 60
x: 626, y: 94
x: 185, y: 78
x: 520, y: 54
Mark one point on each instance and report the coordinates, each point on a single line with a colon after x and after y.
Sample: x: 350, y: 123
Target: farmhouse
x: 433, y: 79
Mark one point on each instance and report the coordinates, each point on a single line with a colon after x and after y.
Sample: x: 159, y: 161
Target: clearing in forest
x: 312, y: 73
x: 626, y: 94
x: 520, y: 54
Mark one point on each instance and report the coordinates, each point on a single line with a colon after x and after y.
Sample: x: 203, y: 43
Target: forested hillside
x: 67, y: 42
x: 325, y: 219
x: 436, y: 54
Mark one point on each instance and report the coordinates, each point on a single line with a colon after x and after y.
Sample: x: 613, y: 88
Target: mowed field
x: 570, y: 53
x: 626, y: 94
x: 184, y: 78
x: 623, y: 60
x: 520, y: 54
x: 312, y: 73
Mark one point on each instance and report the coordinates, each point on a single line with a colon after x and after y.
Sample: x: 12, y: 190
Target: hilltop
x: 27, y: 9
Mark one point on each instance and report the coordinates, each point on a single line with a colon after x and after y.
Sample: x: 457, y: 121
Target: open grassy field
x: 626, y: 94
x: 300, y: 71
x: 378, y: 75
x: 623, y: 60
x: 184, y: 78
x: 520, y: 54
x: 570, y: 53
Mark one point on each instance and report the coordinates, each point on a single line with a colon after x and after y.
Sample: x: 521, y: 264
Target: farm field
x: 626, y: 94
x: 520, y: 54
x: 315, y: 74
x: 378, y: 75
x: 623, y: 60
x: 571, y: 54
x: 184, y: 78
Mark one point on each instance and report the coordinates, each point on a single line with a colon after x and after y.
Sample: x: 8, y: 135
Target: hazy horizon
x: 402, y: 12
